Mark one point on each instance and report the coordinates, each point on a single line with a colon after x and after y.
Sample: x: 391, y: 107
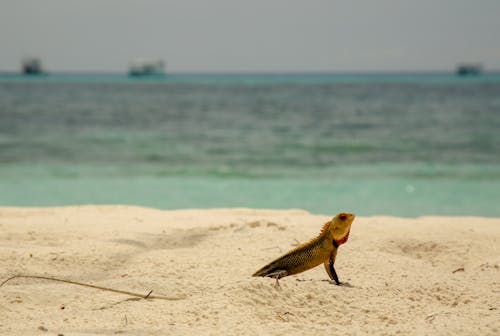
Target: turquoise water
x: 395, y: 144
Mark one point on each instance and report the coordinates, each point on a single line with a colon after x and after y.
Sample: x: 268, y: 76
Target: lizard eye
x: 343, y: 217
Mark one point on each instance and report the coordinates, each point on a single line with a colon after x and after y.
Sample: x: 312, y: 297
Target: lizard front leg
x: 329, y: 267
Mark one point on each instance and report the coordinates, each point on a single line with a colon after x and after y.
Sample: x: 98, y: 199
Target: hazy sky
x: 256, y: 35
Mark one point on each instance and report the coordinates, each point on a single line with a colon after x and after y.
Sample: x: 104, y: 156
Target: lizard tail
x: 271, y: 270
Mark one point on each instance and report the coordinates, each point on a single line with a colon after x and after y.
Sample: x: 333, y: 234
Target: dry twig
x: 142, y: 296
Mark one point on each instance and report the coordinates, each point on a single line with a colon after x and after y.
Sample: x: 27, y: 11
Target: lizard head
x: 340, y: 226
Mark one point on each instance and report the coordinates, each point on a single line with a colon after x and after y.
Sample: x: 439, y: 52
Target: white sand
x: 399, y: 273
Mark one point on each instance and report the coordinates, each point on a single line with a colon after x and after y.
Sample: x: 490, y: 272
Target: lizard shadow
x: 342, y: 284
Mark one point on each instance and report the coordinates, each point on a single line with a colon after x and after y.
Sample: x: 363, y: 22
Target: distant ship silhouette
x: 32, y: 66
x: 469, y: 69
x: 142, y: 67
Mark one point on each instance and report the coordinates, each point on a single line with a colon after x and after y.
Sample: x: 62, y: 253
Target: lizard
x: 322, y: 249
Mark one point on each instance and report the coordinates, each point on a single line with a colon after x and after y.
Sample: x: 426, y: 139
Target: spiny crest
x: 326, y: 227
x: 308, y: 243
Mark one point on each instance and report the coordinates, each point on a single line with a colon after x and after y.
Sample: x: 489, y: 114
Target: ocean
x: 373, y: 144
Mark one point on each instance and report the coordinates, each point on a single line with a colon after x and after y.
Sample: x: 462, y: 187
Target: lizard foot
x: 338, y: 283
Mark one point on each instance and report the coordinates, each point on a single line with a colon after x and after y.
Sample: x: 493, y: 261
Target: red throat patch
x: 343, y: 240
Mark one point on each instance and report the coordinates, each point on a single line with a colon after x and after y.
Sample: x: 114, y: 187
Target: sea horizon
x: 489, y: 74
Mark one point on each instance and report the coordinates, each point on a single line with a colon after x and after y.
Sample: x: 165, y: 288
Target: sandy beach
x: 429, y: 275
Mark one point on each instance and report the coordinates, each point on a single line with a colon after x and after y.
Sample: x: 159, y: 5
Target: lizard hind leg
x: 277, y: 275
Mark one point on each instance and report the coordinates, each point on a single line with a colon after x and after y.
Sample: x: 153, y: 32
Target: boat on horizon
x: 469, y: 69
x: 32, y: 66
x: 142, y: 67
